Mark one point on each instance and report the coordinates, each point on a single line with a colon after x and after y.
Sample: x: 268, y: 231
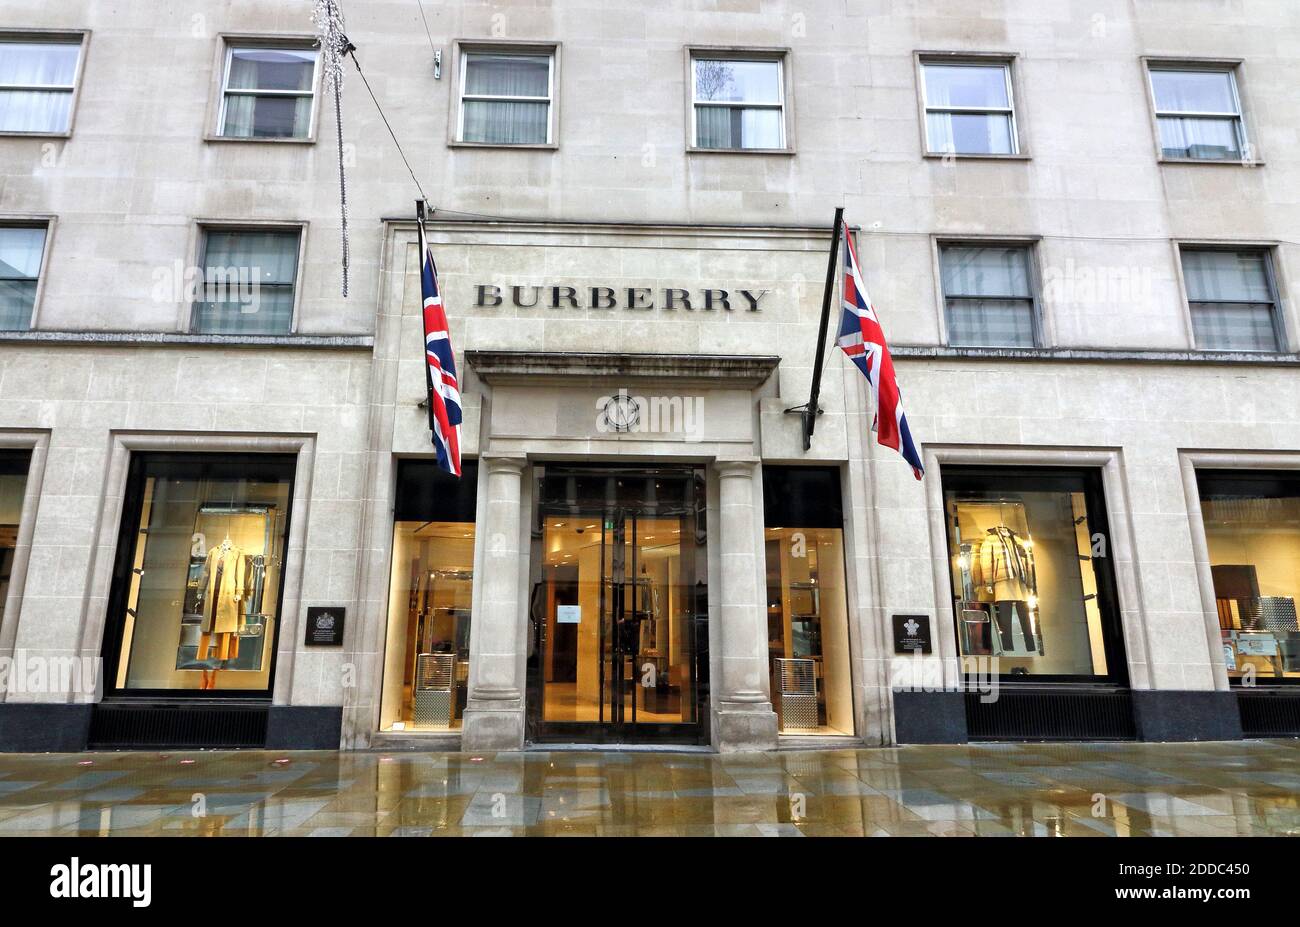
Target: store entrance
x: 619, y: 606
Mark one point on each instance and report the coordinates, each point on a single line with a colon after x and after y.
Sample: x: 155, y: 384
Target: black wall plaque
x: 912, y: 634
x: 325, y: 625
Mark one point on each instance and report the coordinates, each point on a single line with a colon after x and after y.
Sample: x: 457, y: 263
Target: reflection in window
x: 202, y: 587
x: 1231, y: 298
x: 1198, y: 113
x: 988, y: 295
x: 1025, y: 581
x: 22, y: 247
x: 738, y: 104
x: 426, y: 657
x: 13, y: 484
x: 1252, y: 529
x: 248, y: 282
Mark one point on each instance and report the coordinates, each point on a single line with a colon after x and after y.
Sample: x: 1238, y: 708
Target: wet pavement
x: 1085, y: 790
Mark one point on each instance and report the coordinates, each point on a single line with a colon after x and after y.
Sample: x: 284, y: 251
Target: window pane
x: 808, y: 630
x: 17, y: 298
x: 992, y: 271
x: 272, y: 69
x: 1006, y: 323
x: 38, y: 64
x: 1205, y: 139
x: 969, y: 133
x: 1252, y: 530
x: 506, y: 122
x: 1234, y: 327
x: 1024, y: 583
x: 250, y: 116
x: 738, y: 81
x: 13, y: 485
x: 1193, y: 91
x: 508, y: 75
x: 966, y: 85
x: 426, y: 657
x: 247, y: 283
x: 737, y: 127
x: 35, y: 110
x: 1226, y: 276
x: 20, y: 252
x: 206, y: 564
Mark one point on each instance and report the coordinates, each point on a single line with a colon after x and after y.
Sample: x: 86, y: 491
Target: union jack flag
x: 862, y: 338
x: 440, y: 367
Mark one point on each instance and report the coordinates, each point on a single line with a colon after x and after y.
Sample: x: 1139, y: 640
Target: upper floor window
x: 1198, y: 113
x: 37, y: 79
x: 506, y: 98
x: 968, y: 108
x: 268, y: 92
x: 738, y: 104
x: 21, y: 250
x: 988, y: 295
x: 249, y: 276
x: 1232, y: 299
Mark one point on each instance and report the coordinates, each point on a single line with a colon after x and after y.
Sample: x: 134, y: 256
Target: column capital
x: 504, y: 463
x: 742, y: 466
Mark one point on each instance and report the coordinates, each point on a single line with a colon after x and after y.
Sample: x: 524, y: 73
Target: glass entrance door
x: 619, y: 606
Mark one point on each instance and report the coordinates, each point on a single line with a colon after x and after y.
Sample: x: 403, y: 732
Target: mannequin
x: 1004, y: 574
x: 225, y: 591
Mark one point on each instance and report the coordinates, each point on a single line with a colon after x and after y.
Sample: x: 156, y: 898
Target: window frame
x: 199, y: 248
x: 980, y: 476
x: 464, y: 48
x: 1037, y: 311
x: 1266, y: 250
x: 1232, y: 67
x: 1008, y: 62
x: 79, y: 37
x: 226, y: 44
x: 780, y: 56
x: 42, y: 222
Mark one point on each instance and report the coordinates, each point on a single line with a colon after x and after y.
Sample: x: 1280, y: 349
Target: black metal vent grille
x: 1269, y: 714
x: 177, y: 726
x: 1039, y: 714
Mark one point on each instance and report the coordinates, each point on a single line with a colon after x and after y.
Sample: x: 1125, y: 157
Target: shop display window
x: 1030, y: 565
x: 426, y: 657
x: 1252, y: 530
x: 13, y: 486
x: 199, y: 573
x: 807, y: 612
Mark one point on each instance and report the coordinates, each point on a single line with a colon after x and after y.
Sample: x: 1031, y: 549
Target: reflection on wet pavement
x: 1086, y: 790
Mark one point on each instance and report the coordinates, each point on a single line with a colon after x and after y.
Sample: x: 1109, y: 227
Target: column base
x: 1172, y: 715
x: 744, y: 728
x: 491, y: 728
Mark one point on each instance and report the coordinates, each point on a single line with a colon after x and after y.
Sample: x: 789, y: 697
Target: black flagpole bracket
x: 809, y: 411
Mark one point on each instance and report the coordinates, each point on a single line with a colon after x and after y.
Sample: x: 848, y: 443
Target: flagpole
x: 810, y: 411
x: 424, y: 250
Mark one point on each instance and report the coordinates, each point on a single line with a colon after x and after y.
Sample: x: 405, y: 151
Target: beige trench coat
x: 225, y: 587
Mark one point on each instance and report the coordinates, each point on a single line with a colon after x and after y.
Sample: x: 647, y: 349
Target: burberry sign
x: 609, y: 297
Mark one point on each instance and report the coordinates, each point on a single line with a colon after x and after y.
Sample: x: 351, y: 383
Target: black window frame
x: 1267, y: 484
x: 980, y: 478
x: 189, y: 465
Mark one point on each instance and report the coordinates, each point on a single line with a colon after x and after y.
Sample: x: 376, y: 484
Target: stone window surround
x: 1044, y: 333
x: 1273, y: 267
x: 49, y: 222
x: 38, y: 443
x: 197, y: 246
x: 462, y: 47
x: 1011, y: 61
x: 227, y: 40
x: 1189, y: 461
x: 782, y: 55
x: 1235, y: 66
x: 1137, y: 643
x: 66, y: 35
x: 94, y: 618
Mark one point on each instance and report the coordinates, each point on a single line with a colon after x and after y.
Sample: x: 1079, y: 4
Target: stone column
x: 742, y: 718
x: 494, y: 713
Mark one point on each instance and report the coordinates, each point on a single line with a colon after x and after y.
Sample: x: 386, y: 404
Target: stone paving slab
x: 1242, y: 788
